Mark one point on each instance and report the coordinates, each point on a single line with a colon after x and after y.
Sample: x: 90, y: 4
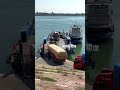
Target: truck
x: 58, y: 54
x: 83, y: 61
x: 108, y: 79
x: 79, y: 62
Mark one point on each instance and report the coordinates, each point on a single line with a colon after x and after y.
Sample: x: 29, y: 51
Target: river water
x: 46, y: 24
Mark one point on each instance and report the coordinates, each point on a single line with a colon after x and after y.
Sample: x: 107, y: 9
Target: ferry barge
x: 66, y: 41
x: 75, y: 34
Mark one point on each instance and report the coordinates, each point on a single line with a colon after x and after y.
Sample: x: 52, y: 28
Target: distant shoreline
x: 59, y: 14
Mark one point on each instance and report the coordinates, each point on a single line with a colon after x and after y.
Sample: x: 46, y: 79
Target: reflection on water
x: 46, y: 24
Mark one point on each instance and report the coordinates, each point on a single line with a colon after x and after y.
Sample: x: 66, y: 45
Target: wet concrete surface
x: 11, y: 82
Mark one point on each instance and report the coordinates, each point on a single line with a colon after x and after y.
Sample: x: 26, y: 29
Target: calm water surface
x: 46, y: 24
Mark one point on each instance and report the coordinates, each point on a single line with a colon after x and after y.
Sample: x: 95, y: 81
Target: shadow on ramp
x: 51, y: 62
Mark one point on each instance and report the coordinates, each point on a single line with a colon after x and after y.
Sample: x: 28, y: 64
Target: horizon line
x: 60, y: 12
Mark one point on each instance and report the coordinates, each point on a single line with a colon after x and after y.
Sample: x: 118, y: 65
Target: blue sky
x: 60, y: 6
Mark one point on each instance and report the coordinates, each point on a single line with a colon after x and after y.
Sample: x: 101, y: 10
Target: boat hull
x: 75, y: 40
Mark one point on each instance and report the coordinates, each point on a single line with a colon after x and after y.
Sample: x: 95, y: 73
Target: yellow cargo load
x: 58, y: 52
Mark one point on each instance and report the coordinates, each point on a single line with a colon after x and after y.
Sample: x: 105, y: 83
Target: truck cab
x: 104, y: 80
x: 79, y: 62
x: 108, y: 79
